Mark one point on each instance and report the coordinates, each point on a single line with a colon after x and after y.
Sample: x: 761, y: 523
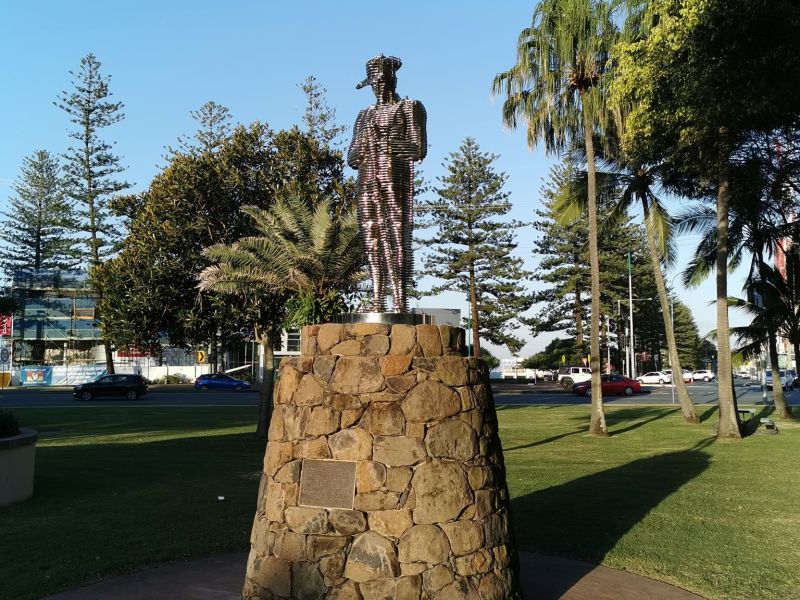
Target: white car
x: 659, y: 377
x: 569, y: 376
x: 687, y: 375
x: 703, y: 375
x: 787, y: 378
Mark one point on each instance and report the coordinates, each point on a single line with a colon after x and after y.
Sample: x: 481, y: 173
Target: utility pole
x: 671, y: 366
x: 631, y: 367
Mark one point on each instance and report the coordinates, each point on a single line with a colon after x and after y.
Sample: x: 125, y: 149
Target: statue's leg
x: 400, y: 227
x: 373, y: 249
x: 372, y: 242
x: 394, y: 237
x: 384, y: 230
x: 407, y: 260
x: 370, y: 230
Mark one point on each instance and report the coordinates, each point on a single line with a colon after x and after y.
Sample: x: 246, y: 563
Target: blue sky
x: 167, y: 58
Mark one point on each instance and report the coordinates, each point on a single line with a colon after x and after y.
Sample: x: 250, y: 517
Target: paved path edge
x: 220, y: 578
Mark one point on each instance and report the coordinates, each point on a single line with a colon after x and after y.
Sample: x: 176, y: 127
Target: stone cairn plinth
x: 383, y: 475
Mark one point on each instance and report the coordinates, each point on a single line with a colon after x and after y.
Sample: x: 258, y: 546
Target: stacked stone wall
x: 430, y: 510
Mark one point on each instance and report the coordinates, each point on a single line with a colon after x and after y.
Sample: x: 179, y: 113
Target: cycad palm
x: 778, y: 310
x: 299, y: 249
x: 556, y: 87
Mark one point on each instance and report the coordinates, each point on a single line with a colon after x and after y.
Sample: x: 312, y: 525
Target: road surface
x: 504, y: 393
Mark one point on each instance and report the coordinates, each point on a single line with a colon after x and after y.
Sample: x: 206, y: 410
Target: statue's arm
x: 355, y: 154
x: 418, y: 136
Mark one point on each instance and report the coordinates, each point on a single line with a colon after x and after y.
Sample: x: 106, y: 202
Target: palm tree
x: 775, y: 307
x: 758, y: 223
x: 632, y: 182
x: 557, y: 88
x: 299, y: 249
x: 314, y: 254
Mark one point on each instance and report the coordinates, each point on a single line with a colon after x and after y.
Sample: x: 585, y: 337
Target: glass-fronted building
x: 56, y: 320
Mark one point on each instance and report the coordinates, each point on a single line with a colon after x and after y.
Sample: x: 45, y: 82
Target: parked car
x: 129, y: 386
x: 611, y: 384
x: 787, y: 378
x: 545, y: 374
x: 791, y: 374
x: 687, y: 375
x: 568, y: 376
x: 703, y: 375
x: 220, y: 381
x: 659, y: 377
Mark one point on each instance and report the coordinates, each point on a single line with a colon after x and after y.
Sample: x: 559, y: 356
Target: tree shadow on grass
x: 165, y: 500
x: 548, y: 440
x: 621, y: 415
x: 707, y: 414
x: 586, y: 517
x: 652, y: 414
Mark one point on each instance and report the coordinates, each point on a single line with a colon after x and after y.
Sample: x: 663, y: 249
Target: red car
x: 612, y: 384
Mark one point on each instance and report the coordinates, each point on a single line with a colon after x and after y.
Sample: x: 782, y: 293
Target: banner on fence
x: 36, y: 376
x: 61, y: 375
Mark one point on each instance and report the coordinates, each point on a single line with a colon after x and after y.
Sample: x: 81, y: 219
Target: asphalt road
x: 701, y: 393
x: 504, y: 393
x: 158, y: 395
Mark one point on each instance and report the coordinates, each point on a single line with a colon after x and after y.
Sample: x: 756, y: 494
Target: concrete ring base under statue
x: 387, y: 318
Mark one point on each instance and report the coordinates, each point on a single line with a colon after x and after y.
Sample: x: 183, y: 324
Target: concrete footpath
x: 221, y: 577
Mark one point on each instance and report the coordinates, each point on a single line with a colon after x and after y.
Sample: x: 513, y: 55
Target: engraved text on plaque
x: 328, y: 483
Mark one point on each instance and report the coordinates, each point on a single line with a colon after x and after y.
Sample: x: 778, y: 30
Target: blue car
x: 220, y: 381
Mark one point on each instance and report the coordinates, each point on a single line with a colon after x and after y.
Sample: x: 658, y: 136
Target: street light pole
x: 631, y: 364
x: 630, y: 355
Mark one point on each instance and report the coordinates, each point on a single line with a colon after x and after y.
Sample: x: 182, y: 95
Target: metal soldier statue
x: 387, y: 138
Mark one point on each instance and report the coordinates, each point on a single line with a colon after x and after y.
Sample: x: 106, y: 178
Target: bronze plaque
x: 328, y: 483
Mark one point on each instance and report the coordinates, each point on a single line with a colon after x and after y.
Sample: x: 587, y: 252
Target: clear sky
x: 169, y: 57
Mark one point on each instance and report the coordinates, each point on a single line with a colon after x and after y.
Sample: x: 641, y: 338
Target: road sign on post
x: 201, y: 357
x: 6, y: 325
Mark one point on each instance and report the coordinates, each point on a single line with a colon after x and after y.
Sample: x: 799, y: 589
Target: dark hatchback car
x: 220, y: 381
x: 126, y: 386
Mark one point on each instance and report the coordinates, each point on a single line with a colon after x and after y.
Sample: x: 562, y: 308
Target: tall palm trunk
x: 796, y: 347
x: 597, y: 423
x: 267, y: 383
x: 729, y: 424
x: 687, y: 406
x: 578, y: 324
x: 777, y: 387
x: 772, y: 346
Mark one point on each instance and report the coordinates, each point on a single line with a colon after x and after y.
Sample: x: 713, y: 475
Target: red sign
x: 6, y: 325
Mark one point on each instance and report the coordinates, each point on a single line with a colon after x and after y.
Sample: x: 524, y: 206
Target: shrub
x: 9, y: 424
x: 176, y: 378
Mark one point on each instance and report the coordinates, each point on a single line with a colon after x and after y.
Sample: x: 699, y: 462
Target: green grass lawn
x: 659, y: 498
x: 118, y: 489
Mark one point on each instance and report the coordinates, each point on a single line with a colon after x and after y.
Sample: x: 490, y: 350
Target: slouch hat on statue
x: 379, y: 68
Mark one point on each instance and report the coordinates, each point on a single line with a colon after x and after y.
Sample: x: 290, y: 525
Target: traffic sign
x: 6, y: 325
x: 5, y: 356
x: 201, y: 356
